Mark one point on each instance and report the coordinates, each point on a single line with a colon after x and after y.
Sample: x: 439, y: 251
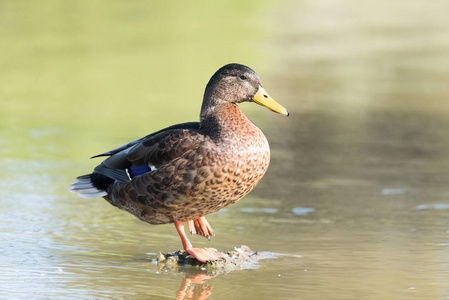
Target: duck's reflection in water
x: 195, y: 287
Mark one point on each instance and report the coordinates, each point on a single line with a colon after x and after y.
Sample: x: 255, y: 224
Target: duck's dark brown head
x: 235, y: 83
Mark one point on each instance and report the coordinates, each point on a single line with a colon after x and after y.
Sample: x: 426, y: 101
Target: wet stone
x: 238, y: 259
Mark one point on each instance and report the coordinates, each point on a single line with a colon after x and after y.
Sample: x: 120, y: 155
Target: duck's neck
x: 224, y: 121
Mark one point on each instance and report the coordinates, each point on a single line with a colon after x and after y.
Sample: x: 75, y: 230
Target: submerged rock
x: 238, y: 259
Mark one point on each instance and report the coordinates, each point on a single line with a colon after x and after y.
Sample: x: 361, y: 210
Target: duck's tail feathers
x: 85, y: 188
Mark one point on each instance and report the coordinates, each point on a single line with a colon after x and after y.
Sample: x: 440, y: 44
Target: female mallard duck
x: 186, y: 171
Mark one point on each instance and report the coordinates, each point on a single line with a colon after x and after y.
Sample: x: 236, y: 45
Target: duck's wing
x: 119, y: 158
x: 122, y: 161
x: 157, y: 150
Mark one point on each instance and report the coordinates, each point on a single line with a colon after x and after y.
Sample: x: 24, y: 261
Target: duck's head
x: 235, y: 83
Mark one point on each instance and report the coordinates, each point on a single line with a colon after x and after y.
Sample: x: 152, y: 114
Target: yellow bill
x: 262, y: 98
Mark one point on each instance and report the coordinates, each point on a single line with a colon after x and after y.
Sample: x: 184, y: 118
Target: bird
x: 186, y: 171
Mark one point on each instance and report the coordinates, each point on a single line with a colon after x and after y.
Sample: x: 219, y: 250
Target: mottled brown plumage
x: 197, y: 173
x: 196, y: 168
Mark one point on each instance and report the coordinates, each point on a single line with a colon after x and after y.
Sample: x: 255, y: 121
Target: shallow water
x: 355, y: 203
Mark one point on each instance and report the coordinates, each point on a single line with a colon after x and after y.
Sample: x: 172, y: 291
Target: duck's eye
x: 242, y: 77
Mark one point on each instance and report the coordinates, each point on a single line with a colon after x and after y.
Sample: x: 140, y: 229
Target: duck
x: 184, y: 172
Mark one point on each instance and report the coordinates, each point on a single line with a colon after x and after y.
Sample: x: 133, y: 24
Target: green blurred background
x: 70, y: 67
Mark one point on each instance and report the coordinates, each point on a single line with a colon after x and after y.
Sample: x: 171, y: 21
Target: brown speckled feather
x: 199, y: 172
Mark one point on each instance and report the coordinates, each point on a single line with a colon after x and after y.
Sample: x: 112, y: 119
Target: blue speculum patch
x: 138, y: 170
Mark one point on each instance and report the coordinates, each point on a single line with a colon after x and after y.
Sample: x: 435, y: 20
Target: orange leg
x: 202, y: 255
x: 201, y: 226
